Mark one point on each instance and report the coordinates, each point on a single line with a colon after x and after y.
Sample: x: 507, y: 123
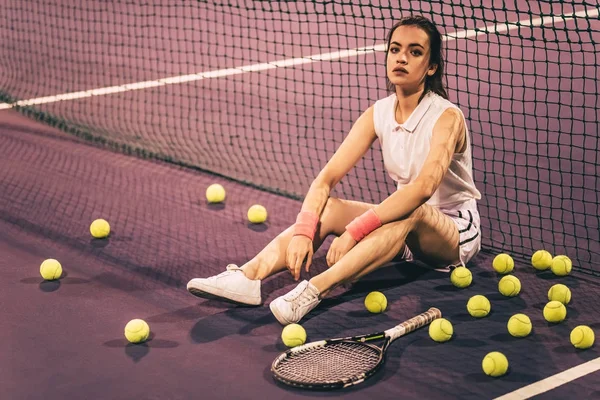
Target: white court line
x: 553, y: 381
x: 337, y: 55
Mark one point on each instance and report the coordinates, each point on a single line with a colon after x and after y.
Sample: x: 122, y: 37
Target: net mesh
x: 264, y: 92
x: 334, y: 364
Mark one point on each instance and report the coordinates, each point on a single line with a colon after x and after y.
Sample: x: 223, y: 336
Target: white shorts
x: 467, y: 222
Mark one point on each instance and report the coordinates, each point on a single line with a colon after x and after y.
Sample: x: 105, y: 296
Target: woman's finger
x: 309, y: 260
x: 297, y: 267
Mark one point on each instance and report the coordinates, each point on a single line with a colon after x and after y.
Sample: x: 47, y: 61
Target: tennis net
x: 264, y: 92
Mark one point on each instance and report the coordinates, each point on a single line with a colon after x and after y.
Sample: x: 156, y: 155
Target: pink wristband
x: 306, y: 224
x: 362, y: 225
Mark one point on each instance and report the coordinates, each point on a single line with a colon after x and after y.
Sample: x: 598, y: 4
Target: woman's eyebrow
x: 410, y: 45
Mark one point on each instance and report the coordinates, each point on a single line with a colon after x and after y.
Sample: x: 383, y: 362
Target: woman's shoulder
x: 384, y: 107
x: 441, y: 102
x: 387, y: 101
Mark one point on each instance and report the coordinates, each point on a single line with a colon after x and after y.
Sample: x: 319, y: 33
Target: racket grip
x: 413, y: 324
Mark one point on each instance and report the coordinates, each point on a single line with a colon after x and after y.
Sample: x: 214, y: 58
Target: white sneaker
x: 291, y: 307
x: 230, y: 285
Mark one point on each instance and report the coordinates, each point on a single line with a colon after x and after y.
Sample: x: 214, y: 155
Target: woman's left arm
x: 448, y: 132
x: 445, y: 138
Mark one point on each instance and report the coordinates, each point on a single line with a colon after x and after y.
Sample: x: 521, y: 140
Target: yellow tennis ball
x: 519, y: 325
x: 441, y: 330
x: 495, y: 364
x: 257, y: 214
x: 561, y: 265
x: 376, y: 302
x: 137, y: 331
x: 50, y: 269
x: 100, y: 228
x: 215, y: 193
x: 478, y: 306
x: 582, y: 337
x: 541, y: 260
x: 559, y: 292
x: 555, y: 311
x: 509, y: 286
x: 503, y: 263
x: 461, y: 277
x: 293, y: 335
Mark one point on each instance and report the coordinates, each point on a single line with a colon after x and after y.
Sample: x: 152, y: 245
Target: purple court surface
x: 64, y: 339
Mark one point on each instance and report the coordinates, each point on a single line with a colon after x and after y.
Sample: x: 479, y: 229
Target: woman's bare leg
x: 334, y: 218
x: 431, y: 235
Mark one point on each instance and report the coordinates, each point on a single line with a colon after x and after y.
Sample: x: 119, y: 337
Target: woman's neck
x: 406, y: 104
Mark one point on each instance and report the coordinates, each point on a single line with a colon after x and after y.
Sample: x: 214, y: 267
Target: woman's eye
x: 416, y: 53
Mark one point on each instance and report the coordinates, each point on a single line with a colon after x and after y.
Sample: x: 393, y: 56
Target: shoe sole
x: 279, y: 317
x: 207, y: 295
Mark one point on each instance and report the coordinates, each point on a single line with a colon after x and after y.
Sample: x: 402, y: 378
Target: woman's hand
x: 339, y: 247
x: 299, y: 249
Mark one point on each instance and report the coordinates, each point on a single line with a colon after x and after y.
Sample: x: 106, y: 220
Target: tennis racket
x: 342, y: 362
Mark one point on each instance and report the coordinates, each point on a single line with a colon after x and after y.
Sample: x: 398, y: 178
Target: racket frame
x: 388, y: 336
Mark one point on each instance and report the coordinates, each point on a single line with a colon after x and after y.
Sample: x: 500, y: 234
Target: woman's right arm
x: 355, y: 145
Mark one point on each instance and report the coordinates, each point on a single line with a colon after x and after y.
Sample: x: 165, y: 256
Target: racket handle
x: 413, y: 324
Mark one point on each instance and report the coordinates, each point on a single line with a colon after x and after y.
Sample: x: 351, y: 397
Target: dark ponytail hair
x: 434, y: 82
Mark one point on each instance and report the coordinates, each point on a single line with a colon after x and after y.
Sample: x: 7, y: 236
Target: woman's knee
x: 330, y: 217
x: 332, y: 205
x: 340, y: 212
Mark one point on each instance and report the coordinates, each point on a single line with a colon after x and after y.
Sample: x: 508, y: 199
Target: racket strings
x: 341, y: 361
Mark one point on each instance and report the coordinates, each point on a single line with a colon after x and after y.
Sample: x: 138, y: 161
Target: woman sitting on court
x: 432, y: 216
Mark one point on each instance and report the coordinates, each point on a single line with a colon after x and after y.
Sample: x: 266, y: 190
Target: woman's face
x: 408, y: 58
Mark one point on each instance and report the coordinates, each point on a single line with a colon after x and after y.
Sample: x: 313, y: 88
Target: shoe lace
x: 229, y: 268
x: 301, y: 295
x: 232, y: 267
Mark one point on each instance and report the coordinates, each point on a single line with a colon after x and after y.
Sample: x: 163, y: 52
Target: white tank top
x: 406, y: 146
